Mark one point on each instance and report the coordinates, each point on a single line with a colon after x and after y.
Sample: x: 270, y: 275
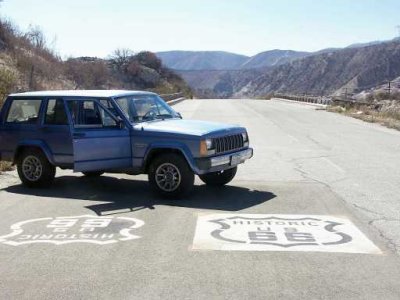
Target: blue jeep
x: 115, y: 131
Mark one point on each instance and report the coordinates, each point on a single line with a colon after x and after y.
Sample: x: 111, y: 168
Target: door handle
x: 78, y: 134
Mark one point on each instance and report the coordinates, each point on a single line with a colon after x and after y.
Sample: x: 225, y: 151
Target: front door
x: 99, y: 142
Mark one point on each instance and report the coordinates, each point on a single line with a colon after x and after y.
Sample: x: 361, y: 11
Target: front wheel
x: 170, y: 175
x: 34, y: 169
x: 219, y: 178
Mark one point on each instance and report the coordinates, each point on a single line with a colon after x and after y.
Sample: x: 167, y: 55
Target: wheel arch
x: 155, y: 151
x: 33, y: 144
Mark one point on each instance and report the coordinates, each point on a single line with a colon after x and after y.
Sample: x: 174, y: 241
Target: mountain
x: 353, y: 69
x: 328, y: 72
x: 219, y: 60
x: 201, y: 60
x: 218, y: 83
x: 273, y: 58
x: 360, y: 45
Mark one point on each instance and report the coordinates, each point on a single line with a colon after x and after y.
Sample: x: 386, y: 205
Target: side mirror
x: 179, y: 115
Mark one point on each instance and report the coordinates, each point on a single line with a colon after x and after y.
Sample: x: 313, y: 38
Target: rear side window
x: 55, y: 113
x: 24, y: 111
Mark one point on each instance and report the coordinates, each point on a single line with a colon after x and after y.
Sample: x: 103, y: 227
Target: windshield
x: 142, y: 108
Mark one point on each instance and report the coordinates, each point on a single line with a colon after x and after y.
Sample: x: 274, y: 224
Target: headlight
x: 206, y: 147
x: 245, y: 137
x: 209, y: 144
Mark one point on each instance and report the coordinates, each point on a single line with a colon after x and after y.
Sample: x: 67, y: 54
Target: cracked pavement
x: 306, y: 161
x: 358, y: 161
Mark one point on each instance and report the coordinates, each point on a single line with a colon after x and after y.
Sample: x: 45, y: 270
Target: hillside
x: 328, y: 73
x: 28, y: 63
x: 201, y: 60
x: 219, y: 60
x: 218, y: 83
x: 273, y: 58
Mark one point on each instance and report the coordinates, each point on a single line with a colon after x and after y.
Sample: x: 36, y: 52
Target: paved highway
x: 309, y: 164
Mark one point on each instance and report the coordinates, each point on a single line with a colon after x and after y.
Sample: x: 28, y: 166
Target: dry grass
x: 387, y: 117
x: 336, y: 109
x: 5, y: 166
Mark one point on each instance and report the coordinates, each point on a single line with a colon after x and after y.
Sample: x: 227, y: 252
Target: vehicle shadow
x: 123, y: 195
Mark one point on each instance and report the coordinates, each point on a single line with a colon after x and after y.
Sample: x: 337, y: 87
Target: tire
x: 93, y: 173
x: 219, y: 178
x: 34, y: 169
x: 170, y: 176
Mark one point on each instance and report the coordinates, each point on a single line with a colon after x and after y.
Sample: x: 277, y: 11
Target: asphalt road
x: 307, y: 162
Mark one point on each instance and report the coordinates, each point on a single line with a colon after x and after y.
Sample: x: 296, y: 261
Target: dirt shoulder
x: 386, y: 113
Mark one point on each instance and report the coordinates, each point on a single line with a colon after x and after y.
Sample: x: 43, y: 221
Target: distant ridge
x: 273, y: 58
x: 331, y: 71
x: 202, y: 60
x: 220, y: 60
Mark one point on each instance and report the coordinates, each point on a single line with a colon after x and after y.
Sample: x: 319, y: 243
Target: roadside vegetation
x: 379, y: 107
x: 29, y: 62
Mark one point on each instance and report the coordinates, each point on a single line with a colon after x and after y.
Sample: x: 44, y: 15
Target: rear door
x: 99, y: 142
x: 55, y: 130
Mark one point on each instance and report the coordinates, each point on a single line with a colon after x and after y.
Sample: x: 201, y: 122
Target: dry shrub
x: 388, y: 116
x: 7, y: 83
x: 91, y: 74
x: 336, y: 109
x: 6, y: 166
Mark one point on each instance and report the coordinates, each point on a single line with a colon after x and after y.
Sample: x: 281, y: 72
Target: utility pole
x: 389, y: 88
x: 31, y: 78
x: 345, y: 93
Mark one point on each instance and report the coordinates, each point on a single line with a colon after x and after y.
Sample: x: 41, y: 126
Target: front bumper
x: 223, y: 162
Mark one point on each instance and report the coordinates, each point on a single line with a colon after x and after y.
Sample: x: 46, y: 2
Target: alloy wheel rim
x: 168, y: 177
x: 32, y: 168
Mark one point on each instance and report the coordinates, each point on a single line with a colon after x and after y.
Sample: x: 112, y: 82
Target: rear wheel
x: 93, y: 173
x: 170, y: 175
x: 34, y: 169
x: 219, y: 178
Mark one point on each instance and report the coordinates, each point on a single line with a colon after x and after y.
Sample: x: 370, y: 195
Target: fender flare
x: 37, y: 144
x: 181, y: 148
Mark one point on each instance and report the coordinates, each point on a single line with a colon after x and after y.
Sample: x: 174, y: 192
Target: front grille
x: 228, y: 143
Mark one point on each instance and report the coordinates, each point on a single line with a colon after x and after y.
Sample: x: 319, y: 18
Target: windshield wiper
x: 164, y: 116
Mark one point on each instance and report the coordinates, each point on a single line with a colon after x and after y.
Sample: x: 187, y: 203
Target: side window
x: 55, y: 113
x: 124, y: 105
x: 24, y: 111
x: 89, y: 114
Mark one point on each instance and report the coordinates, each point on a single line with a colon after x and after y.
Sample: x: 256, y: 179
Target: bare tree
x: 120, y: 57
x: 36, y: 37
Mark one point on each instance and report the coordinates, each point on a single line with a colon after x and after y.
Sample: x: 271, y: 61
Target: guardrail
x: 172, y: 99
x: 308, y: 99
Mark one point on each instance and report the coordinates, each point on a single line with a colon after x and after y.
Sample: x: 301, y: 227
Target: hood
x: 189, y: 127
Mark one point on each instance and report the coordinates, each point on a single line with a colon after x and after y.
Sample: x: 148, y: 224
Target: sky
x: 98, y: 27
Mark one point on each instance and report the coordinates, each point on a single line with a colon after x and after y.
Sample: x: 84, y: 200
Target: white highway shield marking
x: 72, y: 229
x: 259, y: 232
